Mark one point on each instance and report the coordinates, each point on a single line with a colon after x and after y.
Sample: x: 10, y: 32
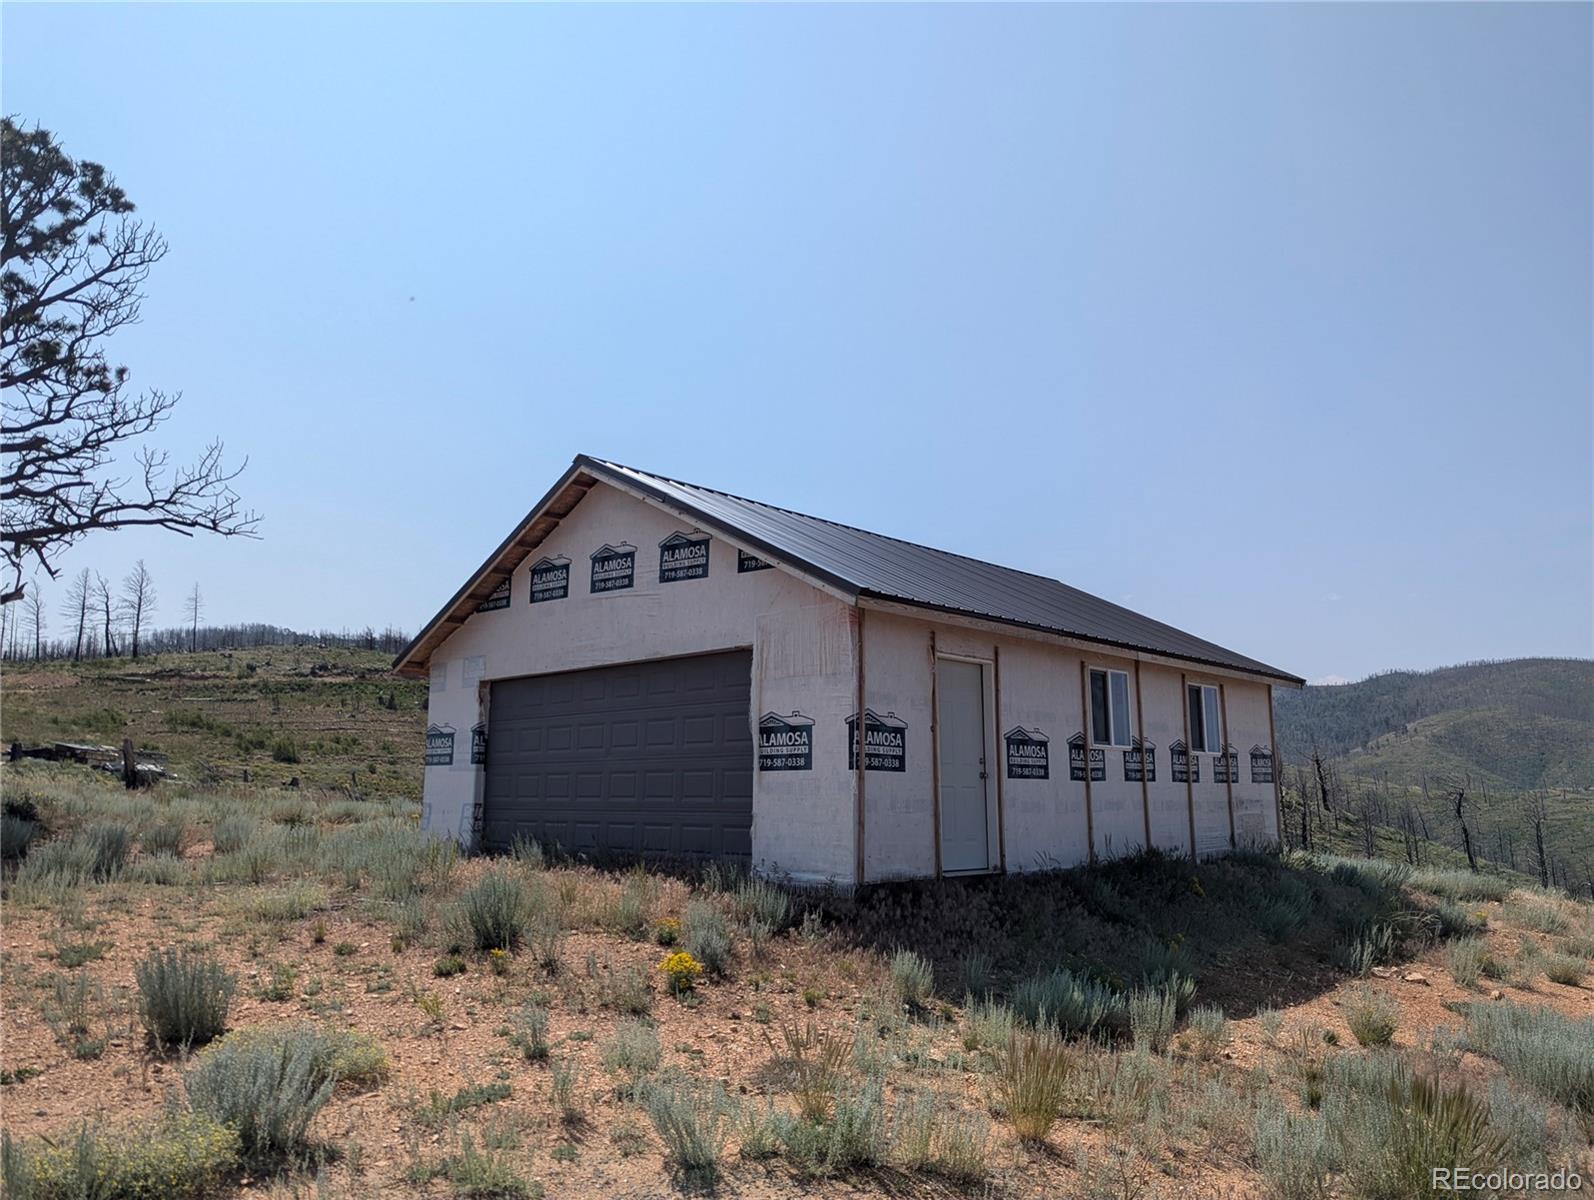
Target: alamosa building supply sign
x: 1028, y: 753
x: 613, y: 568
x: 885, y: 741
x: 785, y: 743
x: 683, y: 556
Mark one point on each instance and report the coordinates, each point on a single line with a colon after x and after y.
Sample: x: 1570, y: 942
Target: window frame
x: 1129, y: 709
x: 1199, y: 728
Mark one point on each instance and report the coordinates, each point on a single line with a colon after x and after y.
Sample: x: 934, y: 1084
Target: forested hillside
x: 1516, y: 725
x: 1511, y: 742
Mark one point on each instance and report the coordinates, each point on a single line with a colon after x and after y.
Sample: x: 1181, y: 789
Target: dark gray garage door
x: 651, y: 758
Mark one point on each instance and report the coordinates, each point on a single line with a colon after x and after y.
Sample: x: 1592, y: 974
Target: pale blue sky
x: 1270, y: 321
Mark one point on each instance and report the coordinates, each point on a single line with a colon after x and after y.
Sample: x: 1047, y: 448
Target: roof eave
x: 412, y: 663
x: 409, y: 661
x: 627, y: 481
x: 1260, y: 671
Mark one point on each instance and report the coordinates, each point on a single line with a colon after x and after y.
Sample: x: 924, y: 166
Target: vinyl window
x: 1109, y: 707
x: 1205, y: 733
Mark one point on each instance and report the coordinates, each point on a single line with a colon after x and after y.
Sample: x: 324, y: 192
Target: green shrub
x: 975, y: 974
x: 1452, y: 920
x: 625, y: 990
x: 449, y: 964
x: 110, y: 842
x: 1209, y: 1030
x: 1568, y: 969
x: 403, y: 862
x: 1373, y: 1017
x: 631, y: 910
x: 1281, y: 915
x: 1539, y: 1047
x: 268, y: 1085
x: 166, y: 837
x: 857, y: 1129
x: 758, y: 900
x: 986, y: 1025
x: 183, y: 996
x: 706, y: 936
x: 438, y: 1109
x: 1542, y: 915
x: 181, y: 1157
x: 261, y: 857
x: 529, y: 1033
x: 280, y: 983
x: 484, y: 1174
x: 1293, y: 1153
x: 92, y: 855
x: 527, y: 852
x: 1153, y: 1013
x: 162, y: 871
x: 1524, y: 1122
x: 633, y: 1051
x: 294, y: 903
x: 284, y: 750
x: 758, y: 1132
x: 232, y: 833
x: 545, y: 937
x: 1461, y: 885
x: 1271, y: 1022
x: 71, y: 1015
x: 816, y: 1058
x: 351, y: 1057
x: 495, y: 911
x: 692, y: 1121
x: 16, y: 835
x: 1377, y: 877
x: 1373, y: 946
x: 958, y: 1148
x: 1429, y: 1125
x: 855, y: 1136
x: 1073, y: 1004
x: 1580, y: 944
x: 53, y: 869
x: 1466, y: 960
x: 1032, y: 1083
x: 564, y: 1081
x: 911, y: 978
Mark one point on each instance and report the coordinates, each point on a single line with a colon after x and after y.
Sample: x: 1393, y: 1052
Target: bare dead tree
x: 107, y: 606
x: 193, y: 607
x: 1409, y: 838
x: 33, y: 608
x: 1369, y: 828
x: 1538, y: 812
x: 1324, y: 791
x: 75, y: 608
x: 1456, y: 793
x: 138, y: 600
x: 72, y: 266
x: 1303, y: 787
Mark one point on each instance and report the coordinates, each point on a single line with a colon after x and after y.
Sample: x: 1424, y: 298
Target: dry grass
x: 811, y: 1053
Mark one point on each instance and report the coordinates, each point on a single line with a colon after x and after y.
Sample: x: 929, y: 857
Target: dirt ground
x: 348, y: 973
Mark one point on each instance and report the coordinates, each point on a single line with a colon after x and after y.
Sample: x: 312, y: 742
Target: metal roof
x: 862, y: 564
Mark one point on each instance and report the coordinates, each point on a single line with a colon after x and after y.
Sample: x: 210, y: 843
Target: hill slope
x: 268, y: 714
x: 1514, y: 726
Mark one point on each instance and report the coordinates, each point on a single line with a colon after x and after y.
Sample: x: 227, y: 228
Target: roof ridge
x: 792, y: 512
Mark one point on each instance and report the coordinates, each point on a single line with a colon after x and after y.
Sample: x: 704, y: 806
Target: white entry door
x: 960, y: 725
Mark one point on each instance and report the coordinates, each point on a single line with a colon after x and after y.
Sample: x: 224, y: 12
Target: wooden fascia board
x: 1029, y: 633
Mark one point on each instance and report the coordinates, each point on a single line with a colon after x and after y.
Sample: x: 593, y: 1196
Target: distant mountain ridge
x: 1515, y: 725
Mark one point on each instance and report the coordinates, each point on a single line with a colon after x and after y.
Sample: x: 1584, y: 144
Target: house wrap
x: 649, y: 668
